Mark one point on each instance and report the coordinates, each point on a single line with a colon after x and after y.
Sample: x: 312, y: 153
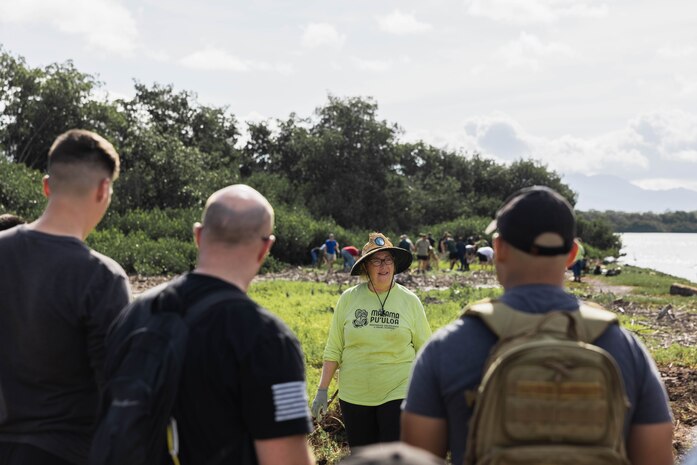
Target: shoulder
x: 464, y: 333
x: 406, y: 292
x: 355, y: 290
x: 107, y: 264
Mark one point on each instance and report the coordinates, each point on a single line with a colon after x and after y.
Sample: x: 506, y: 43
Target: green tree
x: 38, y: 104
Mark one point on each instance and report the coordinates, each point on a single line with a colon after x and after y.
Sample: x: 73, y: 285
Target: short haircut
x: 8, y: 221
x: 232, y: 226
x: 78, y: 158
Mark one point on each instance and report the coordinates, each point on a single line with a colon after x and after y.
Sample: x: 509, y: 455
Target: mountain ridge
x: 608, y: 192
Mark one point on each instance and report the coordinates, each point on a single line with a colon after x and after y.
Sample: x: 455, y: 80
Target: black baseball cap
x: 531, y: 212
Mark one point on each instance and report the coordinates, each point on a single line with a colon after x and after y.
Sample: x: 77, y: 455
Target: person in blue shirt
x: 536, y: 230
x: 330, y: 252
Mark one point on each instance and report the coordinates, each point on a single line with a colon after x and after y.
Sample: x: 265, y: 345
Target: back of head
x: 540, y: 226
x: 537, y: 221
x: 236, y: 215
x: 79, y: 159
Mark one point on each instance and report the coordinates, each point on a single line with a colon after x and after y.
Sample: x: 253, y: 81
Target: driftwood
x: 667, y: 310
x: 681, y: 289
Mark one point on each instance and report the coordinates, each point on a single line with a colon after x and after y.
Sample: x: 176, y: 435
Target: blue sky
x: 585, y: 86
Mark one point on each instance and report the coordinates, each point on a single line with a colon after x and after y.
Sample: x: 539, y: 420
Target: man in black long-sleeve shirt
x: 57, y: 299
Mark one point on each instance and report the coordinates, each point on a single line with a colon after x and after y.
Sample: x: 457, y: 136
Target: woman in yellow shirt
x: 377, y: 328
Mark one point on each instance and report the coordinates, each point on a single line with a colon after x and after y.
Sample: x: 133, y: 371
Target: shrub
x: 140, y: 254
x: 463, y: 226
x: 173, y: 223
x: 20, y: 190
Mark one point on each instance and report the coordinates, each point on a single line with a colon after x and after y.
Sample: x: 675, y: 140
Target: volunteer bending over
x: 377, y: 328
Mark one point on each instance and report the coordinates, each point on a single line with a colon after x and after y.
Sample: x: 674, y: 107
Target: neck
x: 217, y: 264
x: 65, y: 219
x: 379, y: 289
x: 531, y: 276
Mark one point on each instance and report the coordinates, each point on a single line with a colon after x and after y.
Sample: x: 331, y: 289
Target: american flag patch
x: 290, y: 401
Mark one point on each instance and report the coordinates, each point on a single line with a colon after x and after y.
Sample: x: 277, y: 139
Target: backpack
x: 146, y: 346
x: 547, y: 395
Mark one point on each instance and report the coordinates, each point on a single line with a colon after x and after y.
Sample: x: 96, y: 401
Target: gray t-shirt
x: 57, y: 300
x: 453, y: 360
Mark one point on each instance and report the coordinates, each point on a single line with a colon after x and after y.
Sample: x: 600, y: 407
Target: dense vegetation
x: 678, y: 221
x: 341, y: 169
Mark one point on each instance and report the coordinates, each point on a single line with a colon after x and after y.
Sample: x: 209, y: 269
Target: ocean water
x: 671, y: 253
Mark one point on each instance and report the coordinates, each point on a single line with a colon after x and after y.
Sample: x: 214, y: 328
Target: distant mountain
x: 605, y: 192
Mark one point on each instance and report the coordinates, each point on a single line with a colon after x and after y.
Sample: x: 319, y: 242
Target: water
x: 671, y: 253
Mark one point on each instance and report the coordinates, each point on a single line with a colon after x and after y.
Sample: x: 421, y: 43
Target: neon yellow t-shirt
x: 580, y: 253
x: 375, y: 349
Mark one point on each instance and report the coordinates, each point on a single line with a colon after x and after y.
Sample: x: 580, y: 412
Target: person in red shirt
x: 350, y: 254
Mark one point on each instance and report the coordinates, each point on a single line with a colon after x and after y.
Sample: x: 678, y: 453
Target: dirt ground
x: 675, y: 326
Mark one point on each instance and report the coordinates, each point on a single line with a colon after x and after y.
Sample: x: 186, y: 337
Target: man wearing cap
x: 536, y: 230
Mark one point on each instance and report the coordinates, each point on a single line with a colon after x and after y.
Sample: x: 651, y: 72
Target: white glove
x: 320, y: 405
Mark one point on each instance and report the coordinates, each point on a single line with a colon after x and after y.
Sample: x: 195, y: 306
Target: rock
x: 681, y: 289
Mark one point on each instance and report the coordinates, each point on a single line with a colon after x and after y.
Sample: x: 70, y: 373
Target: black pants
x: 369, y: 425
x: 24, y: 454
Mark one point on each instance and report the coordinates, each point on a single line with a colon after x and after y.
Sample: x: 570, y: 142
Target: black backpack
x: 145, y: 348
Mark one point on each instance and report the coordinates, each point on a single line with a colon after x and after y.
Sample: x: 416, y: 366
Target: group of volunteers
x: 241, y: 397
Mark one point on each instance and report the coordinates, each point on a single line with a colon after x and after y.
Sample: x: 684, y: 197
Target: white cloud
x: 661, y: 184
x: 322, y: 34
x: 669, y: 135
x: 372, y: 65
x: 103, y: 24
x: 536, y: 11
x: 687, y: 87
x: 657, y: 145
x: 402, y: 23
x: 214, y: 59
x: 528, y: 50
x: 677, y: 52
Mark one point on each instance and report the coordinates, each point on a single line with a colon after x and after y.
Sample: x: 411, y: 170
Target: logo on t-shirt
x: 384, y: 319
x: 361, y: 318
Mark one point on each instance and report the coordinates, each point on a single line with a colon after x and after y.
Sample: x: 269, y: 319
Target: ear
x: 500, y: 249
x: 197, y: 229
x: 266, y: 248
x: 46, y: 187
x: 103, y: 190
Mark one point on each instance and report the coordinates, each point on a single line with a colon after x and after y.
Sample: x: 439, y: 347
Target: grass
x: 307, y: 308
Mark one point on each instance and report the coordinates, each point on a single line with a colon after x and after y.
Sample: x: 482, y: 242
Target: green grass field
x: 307, y: 309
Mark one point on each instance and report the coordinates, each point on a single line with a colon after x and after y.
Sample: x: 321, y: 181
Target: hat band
x: 548, y: 251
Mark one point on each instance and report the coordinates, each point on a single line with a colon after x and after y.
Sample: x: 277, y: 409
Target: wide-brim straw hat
x: 379, y: 242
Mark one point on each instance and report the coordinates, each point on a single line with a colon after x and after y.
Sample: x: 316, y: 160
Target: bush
x: 140, y: 254
x: 598, y: 233
x: 174, y: 223
x: 464, y: 226
x: 20, y: 190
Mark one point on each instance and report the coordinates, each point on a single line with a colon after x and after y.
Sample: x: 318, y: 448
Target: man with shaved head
x: 57, y: 299
x: 242, y: 396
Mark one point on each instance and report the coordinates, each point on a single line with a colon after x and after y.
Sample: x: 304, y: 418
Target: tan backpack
x: 547, y: 396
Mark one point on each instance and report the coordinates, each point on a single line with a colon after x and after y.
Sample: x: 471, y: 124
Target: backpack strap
x: 590, y: 321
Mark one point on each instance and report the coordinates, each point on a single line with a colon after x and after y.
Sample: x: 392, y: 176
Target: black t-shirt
x: 57, y: 300
x: 243, y: 379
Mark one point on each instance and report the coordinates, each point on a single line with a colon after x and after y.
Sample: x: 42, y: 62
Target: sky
x: 584, y: 86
